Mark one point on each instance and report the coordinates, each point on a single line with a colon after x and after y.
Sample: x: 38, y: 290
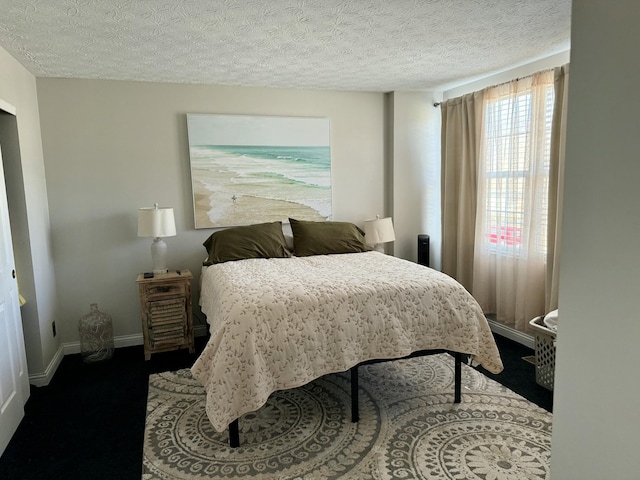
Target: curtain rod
x: 437, y: 104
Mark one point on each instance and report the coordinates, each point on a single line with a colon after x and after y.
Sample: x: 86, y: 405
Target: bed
x: 279, y: 319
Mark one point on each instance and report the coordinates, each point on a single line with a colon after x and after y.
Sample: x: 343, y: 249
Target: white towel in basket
x: 551, y: 320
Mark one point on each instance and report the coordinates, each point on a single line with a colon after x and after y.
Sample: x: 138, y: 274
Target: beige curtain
x: 556, y: 184
x: 509, y: 269
x: 509, y: 260
x: 461, y: 128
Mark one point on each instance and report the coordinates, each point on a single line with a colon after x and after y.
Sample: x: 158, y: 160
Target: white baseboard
x: 128, y: 340
x: 200, y: 330
x: 118, y: 342
x: 71, y: 348
x: 43, y: 379
x: 511, y: 333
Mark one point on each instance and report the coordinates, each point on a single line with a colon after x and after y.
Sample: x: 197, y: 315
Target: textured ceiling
x: 366, y: 45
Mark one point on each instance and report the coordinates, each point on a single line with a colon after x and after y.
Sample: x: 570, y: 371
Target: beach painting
x: 255, y: 169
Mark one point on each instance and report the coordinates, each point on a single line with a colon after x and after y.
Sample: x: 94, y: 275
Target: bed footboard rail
x: 457, y: 369
x: 234, y: 431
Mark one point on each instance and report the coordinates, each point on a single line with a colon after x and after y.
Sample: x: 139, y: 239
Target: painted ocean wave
x: 295, y: 174
x: 310, y: 165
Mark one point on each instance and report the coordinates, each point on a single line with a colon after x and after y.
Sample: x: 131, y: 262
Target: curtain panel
x: 556, y: 184
x: 461, y: 132
x: 502, y: 177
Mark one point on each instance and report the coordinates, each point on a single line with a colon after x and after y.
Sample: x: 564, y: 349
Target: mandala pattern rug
x: 409, y: 428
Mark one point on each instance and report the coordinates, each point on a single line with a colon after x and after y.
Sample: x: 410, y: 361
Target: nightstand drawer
x: 164, y: 289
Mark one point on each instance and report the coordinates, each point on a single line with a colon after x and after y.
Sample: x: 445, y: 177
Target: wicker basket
x: 545, y: 343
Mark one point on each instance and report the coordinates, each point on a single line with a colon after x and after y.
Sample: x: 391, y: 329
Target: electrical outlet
x: 53, y: 326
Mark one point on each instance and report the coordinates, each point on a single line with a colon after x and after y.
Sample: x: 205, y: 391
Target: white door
x: 14, y: 380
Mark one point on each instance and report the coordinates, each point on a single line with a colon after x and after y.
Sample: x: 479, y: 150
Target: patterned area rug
x: 409, y: 428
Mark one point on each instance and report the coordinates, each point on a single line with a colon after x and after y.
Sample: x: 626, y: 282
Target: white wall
x: 415, y: 170
x: 111, y: 147
x: 596, y: 430
x: 30, y: 218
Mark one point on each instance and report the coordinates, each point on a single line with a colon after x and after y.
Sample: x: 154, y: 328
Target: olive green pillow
x: 263, y: 240
x: 323, y: 238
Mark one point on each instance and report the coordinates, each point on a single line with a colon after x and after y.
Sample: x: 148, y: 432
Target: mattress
x: 280, y: 323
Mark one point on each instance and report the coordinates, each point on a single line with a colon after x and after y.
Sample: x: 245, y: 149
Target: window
x: 515, y: 171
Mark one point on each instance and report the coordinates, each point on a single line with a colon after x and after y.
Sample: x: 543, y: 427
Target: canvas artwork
x: 255, y: 169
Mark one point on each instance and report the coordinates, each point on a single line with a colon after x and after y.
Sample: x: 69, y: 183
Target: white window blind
x: 515, y: 164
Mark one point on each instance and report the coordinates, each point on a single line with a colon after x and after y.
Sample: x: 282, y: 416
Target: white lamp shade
x: 156, y: 222
x: 379, y: 230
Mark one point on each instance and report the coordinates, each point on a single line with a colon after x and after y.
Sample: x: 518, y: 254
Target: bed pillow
x: 323, y: 238
x: 262, y: 240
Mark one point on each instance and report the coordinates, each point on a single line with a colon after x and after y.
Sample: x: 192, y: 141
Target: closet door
x: 14, y: 379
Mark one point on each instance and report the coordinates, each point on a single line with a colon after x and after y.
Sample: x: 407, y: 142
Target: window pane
x: 516, y: 166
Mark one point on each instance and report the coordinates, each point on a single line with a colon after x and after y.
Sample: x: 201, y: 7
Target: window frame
x: 502, y: 137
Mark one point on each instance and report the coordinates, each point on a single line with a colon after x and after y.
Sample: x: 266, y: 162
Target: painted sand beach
x: 242, y: 184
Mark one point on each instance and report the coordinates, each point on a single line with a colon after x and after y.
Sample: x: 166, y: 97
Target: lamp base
x: 159, y: 256
x: 379, y: 247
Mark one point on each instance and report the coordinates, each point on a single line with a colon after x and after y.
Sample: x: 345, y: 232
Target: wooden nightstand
x: 165, y: 301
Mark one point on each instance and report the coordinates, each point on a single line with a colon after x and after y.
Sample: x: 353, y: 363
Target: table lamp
x: 378, y: 231
x: 157, y: 222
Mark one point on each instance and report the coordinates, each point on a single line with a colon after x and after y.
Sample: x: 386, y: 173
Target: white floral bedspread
x: 281, y: 323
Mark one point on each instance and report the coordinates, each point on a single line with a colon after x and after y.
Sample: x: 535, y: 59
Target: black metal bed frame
x: 234, y: 431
